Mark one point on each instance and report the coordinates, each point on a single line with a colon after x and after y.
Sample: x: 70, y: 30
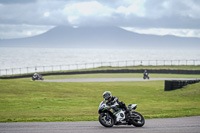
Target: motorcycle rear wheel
x: 137, y: 119
x: 105, y: 121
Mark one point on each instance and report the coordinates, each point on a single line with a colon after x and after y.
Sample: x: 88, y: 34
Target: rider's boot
x: 128, y: 113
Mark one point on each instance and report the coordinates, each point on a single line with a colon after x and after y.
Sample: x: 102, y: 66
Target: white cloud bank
x: 21, y: 31
x: 163, y: 31
x: 20, y: 18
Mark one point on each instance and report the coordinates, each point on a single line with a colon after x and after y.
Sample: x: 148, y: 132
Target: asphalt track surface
x: 169, y: 125
x: 113, y: 79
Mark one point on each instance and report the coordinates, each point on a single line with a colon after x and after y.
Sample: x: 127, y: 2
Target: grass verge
x: 23, y: 100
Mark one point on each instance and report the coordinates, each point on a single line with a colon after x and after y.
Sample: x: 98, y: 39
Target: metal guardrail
x: 126, y: 63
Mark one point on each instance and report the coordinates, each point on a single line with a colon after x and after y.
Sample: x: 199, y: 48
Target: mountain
x: 100, y: 37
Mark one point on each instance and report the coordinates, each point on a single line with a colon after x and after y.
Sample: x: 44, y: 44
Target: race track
x: 112, y: 79
x: 170, y: 125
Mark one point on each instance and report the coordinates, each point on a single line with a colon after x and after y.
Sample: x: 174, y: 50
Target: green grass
x: 23, y: 100
x: 121, y: 75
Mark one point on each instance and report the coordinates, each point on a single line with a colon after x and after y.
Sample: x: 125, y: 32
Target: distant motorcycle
x: 113, y: 115
x: 37, y: 76
x: 146, y: 76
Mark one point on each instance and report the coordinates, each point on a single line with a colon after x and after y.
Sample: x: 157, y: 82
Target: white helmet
x: 107, y: 95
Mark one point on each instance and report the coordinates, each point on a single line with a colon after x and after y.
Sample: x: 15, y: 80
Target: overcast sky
x: 22, y: 18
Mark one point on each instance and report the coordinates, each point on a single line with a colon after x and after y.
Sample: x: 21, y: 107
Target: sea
x: 13, y: 58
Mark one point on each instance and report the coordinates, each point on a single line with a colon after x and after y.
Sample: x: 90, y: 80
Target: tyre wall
x: 178, y: 84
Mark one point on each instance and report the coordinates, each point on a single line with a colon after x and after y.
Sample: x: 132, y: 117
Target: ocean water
x: 32, y: 57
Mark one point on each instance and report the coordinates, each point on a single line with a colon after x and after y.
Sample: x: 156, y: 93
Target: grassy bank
x: 27, y: 101
x: 170, y: 67
x: 121, y: 75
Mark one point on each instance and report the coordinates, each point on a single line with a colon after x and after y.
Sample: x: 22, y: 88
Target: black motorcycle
x: 146, y: 76
x: 113, y: 115
x: 37, y: 76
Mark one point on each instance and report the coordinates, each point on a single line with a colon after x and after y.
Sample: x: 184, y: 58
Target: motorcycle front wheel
x: 106, y: 120
x: 137, y: 119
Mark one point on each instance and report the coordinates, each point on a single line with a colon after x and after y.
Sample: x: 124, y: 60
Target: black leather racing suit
x: 115, y: 99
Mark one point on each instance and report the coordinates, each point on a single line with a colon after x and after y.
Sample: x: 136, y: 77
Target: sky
x: 24, y: 18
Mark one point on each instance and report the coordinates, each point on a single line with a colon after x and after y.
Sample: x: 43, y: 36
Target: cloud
x: 20, y: 31
x: 75, y: 12
x: 46, y: 14
x: 16, y: 1
x: 126, y: 12
x: 166, y: 31
x: 143, y: 14
x: 135, y: 7
x: 84, y: 8
x: 169, y: 8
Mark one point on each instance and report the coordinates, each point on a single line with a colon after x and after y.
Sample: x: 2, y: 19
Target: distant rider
x: 35, y: 75
x: 146, y: 75
x: 112, y: 99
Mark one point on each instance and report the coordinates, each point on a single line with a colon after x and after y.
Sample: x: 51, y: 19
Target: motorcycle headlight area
x: 132, y: 106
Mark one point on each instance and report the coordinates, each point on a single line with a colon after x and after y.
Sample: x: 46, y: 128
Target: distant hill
x: 100, y: 37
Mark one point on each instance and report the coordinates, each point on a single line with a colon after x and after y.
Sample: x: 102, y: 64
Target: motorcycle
x: 113, y: 115
x: 146, y: 76
x: 37, y: 76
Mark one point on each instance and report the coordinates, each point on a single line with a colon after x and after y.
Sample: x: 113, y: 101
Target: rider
x: 146, y: 75
x: 112, y: 99
x: 145, y: 72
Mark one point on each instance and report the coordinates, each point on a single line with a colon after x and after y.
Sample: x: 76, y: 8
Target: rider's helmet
x: 107, y: 95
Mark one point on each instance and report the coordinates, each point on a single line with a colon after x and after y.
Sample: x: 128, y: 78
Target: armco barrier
x: 164, y: 71
x: 95, y: 65
x: 177, y: 84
